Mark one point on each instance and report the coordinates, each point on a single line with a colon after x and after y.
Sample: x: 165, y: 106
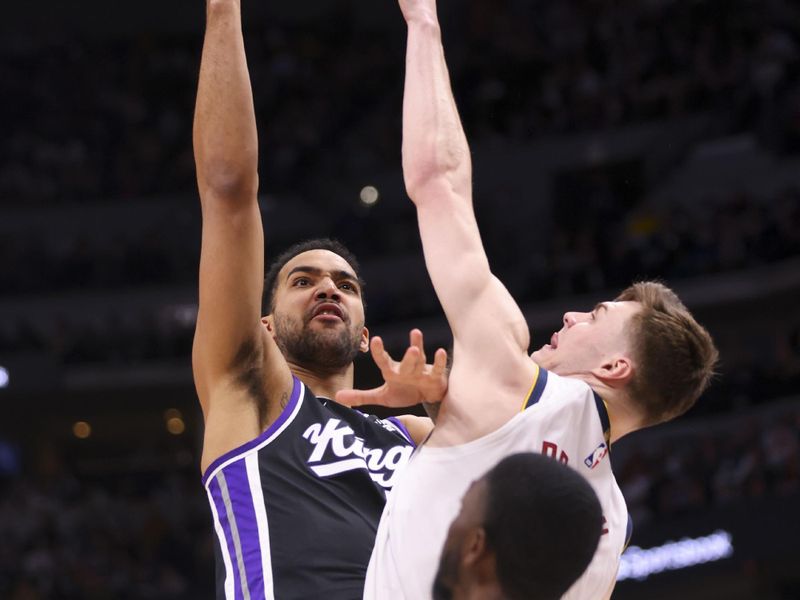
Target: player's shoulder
x: 550, y: 388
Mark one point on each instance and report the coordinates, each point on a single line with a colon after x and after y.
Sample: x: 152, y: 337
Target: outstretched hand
x: 408, y: 382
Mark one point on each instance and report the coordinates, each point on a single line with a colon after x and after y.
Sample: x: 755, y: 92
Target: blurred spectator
x: 100, y: 120
x: 713, y: 464
x: 128, y: 535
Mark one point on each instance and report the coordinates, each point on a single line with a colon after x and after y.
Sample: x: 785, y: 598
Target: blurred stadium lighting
x: 172, y: 413
x: 176, y: 426
x: 640, y: 563
x: 82, y: 430
x: 174, y: 421
x: 185, y: 314
x: 5, y: 377
x: 369, y: 195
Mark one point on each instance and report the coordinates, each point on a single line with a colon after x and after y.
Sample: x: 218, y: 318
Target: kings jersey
x: 296, y: 510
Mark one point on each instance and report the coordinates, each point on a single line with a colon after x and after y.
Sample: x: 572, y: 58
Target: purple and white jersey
x: 296, y: 509
x: 561, y: 418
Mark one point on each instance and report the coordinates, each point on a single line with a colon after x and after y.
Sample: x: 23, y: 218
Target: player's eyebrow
x: 337, y: 275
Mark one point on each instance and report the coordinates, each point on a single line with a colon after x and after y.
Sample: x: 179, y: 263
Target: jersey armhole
x: 403, y: 431
x: 628, y: 532
x: 537, y: 388
x: 269, y: 434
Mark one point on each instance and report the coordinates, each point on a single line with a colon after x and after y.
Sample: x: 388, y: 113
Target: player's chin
x: 542, y: 355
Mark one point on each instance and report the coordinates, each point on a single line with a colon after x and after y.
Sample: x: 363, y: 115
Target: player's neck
x: 324, y: 384
x: 621, y: 416
x: 478, y: 591
x: 479, y: 581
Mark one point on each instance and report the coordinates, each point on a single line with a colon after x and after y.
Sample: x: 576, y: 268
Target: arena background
x: 612, y: 140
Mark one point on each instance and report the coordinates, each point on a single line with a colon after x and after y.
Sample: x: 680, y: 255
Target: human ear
x: 618, y: 369
x: 363, y: 345
x: 474, y: 547
x: 267, y: 322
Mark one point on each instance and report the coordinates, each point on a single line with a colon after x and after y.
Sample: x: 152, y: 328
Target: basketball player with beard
x: 296, y: 482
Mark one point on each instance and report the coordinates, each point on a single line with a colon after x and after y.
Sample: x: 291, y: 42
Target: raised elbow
x: 432, y: 174
x: 435, y: 185
x: 418, y: 182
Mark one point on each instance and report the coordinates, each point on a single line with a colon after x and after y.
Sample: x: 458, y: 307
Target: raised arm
x: 483, y: 316
x: 238, y: 371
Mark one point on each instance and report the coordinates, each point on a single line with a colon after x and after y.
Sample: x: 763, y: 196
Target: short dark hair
x: 543, y: 522
x: 271, y: 278
x: 675, y: 356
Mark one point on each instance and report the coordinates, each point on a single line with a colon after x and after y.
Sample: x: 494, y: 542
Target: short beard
x: 328, y: 351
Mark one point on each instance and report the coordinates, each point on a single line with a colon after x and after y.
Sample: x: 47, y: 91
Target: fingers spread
x: 411, y: 362
x: 440, y: 361
x: 379, y: 355
x: 415, y: 341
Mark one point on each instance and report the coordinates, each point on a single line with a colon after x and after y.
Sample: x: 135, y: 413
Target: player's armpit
x: 239, y: 405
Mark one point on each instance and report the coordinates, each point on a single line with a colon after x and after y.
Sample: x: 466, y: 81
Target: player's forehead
x: 314, y: 262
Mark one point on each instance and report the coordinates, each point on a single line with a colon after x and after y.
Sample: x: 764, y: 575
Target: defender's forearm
x: 435, y: 148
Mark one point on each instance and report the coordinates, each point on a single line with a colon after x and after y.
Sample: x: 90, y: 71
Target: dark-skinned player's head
x: 645, y: 342
x: 334, y: 246
x: 526, y: 531
x: 314, y: 305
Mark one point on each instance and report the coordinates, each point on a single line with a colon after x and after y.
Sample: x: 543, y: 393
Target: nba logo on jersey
x: 595, y: 457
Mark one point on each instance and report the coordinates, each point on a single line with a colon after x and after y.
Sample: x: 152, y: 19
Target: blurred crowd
x: 132, y: 536
x: 95, y: 120
x: 601, y: 245
x: 144, y: 533
x: 101, y: 121
x: 568, y: 66
x: 751, y: 458
x: 100, y: 260
x: 674, y: 242
x: 111, y: 121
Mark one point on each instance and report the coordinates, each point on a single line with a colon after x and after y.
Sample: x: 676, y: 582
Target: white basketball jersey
x: 562, y: 418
